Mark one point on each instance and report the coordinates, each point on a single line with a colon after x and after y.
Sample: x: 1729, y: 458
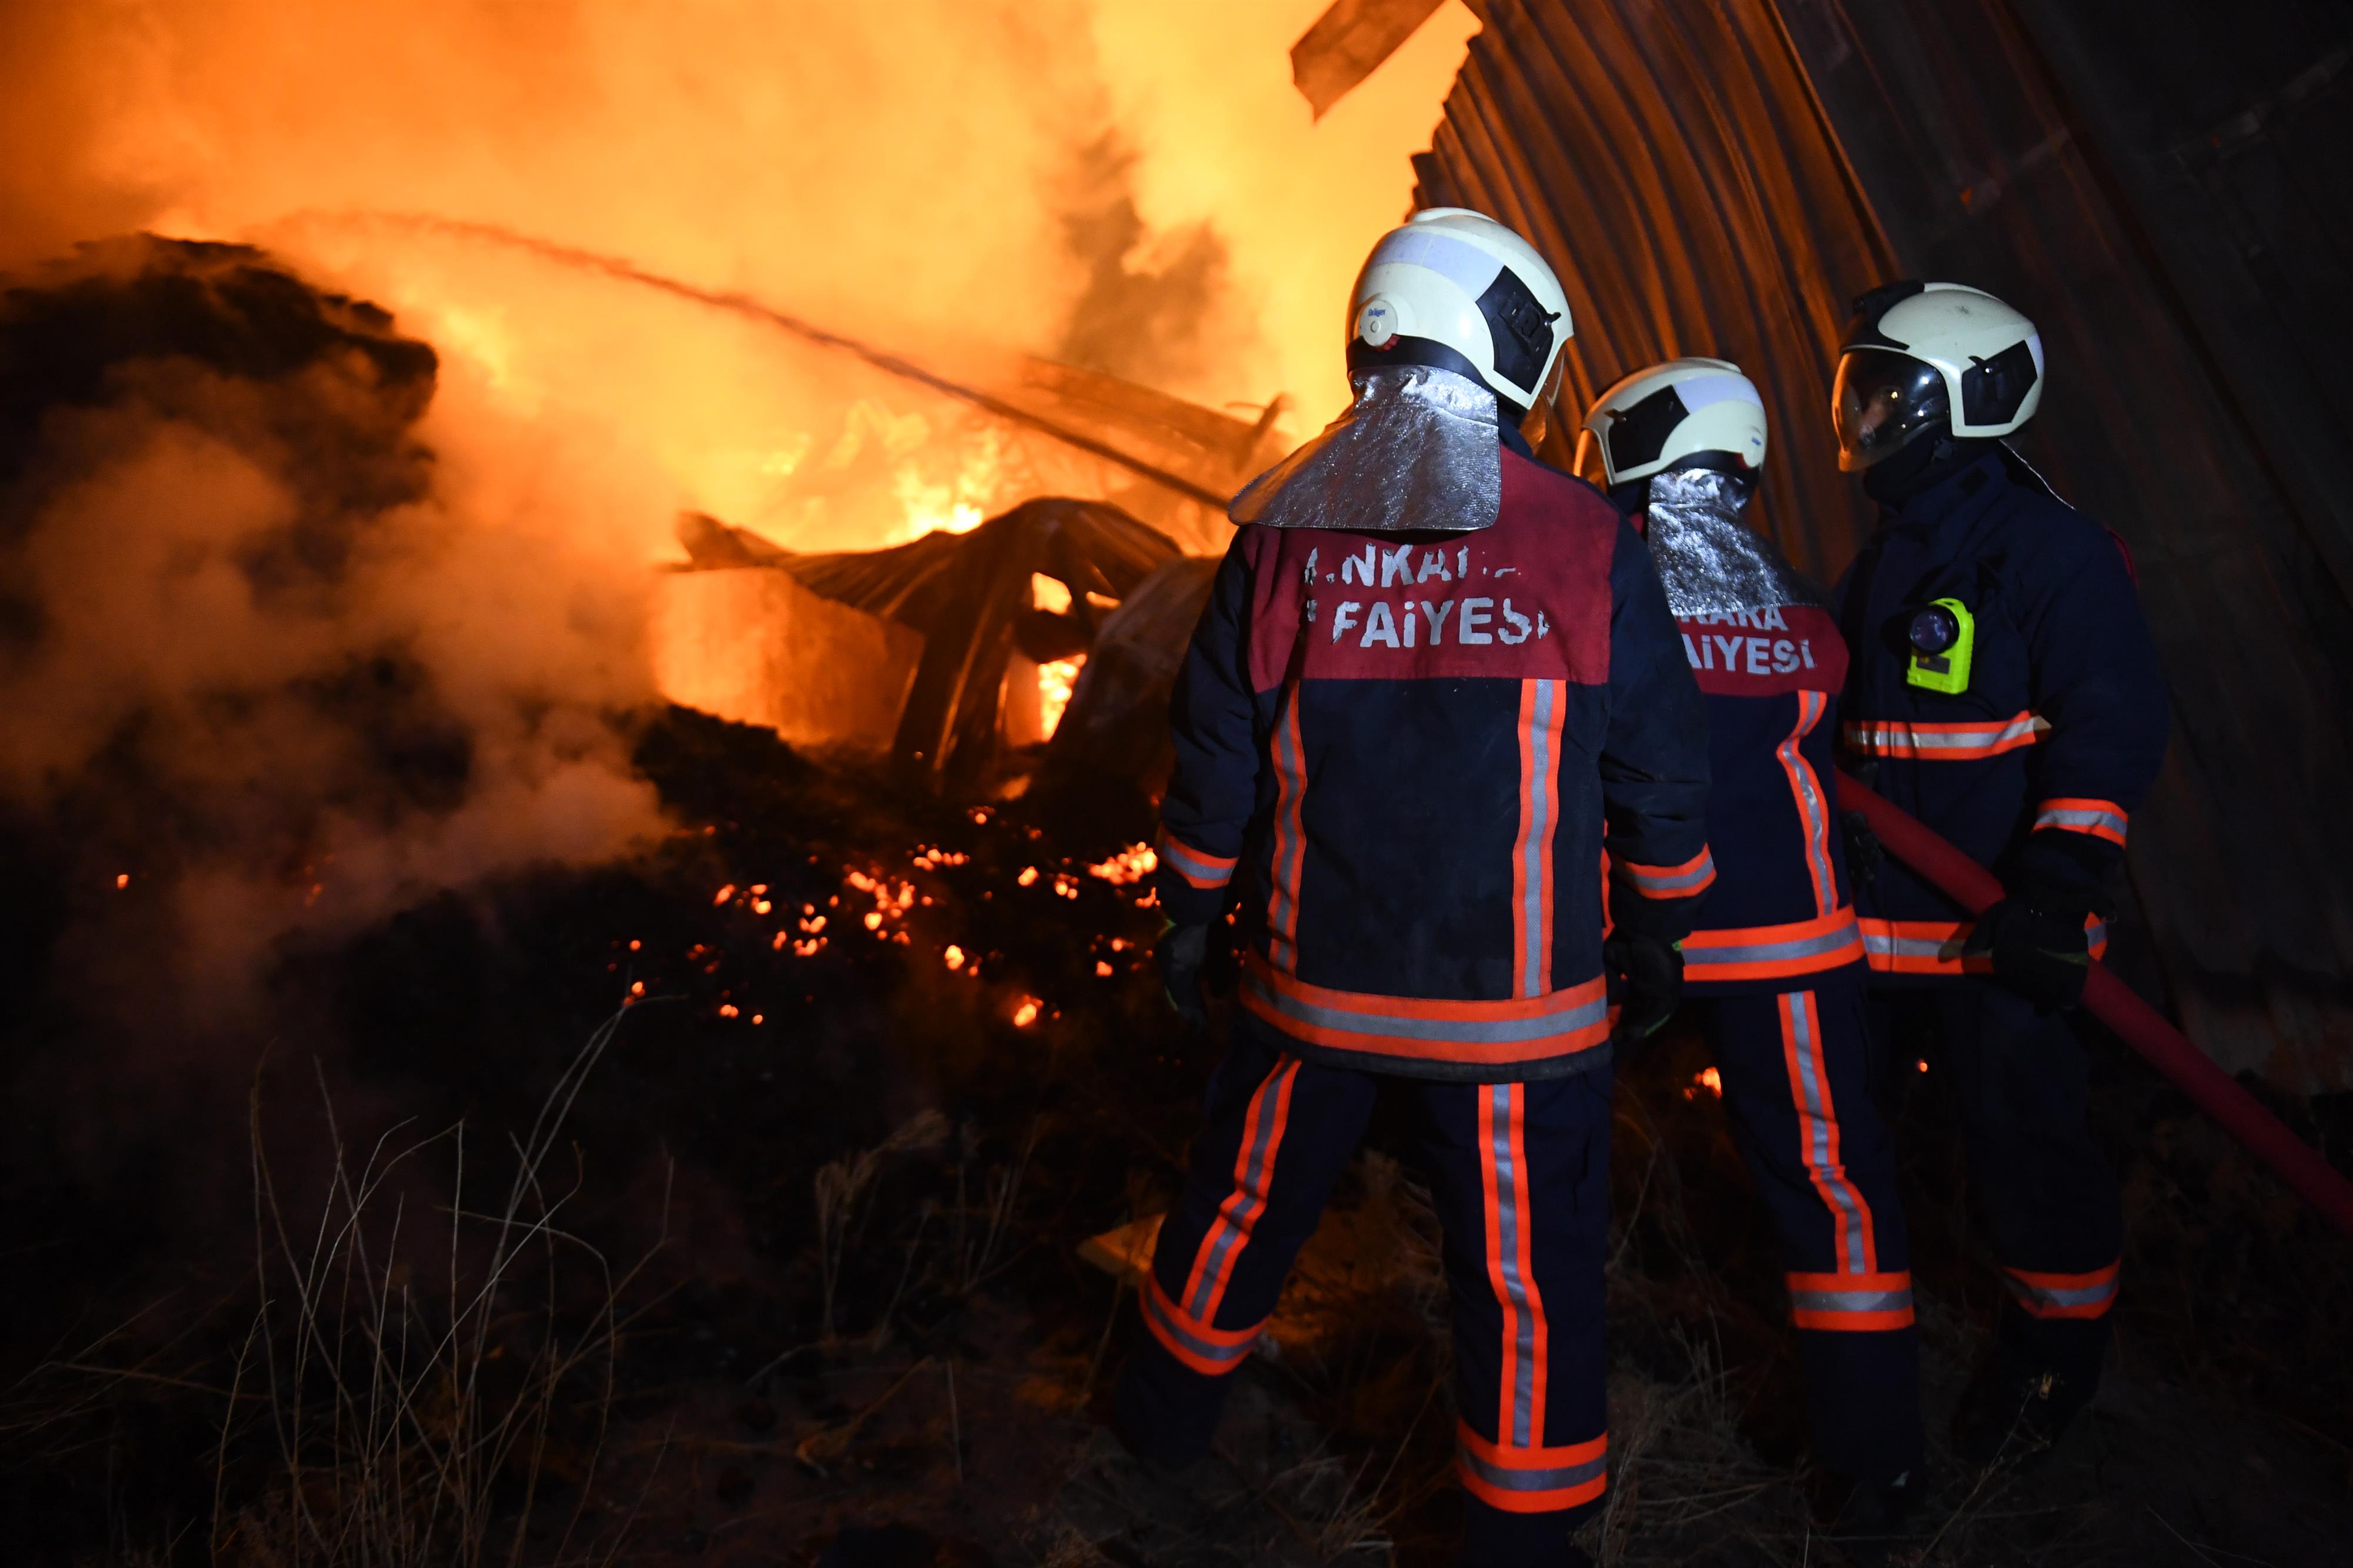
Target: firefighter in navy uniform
x: 1775, y: 968
x: 1435, y: 679
x: 2005, y: 692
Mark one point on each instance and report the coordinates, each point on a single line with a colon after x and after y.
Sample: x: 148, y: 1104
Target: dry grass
x: 404, y: 1426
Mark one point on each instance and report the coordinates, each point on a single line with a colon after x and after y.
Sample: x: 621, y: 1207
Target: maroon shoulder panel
x: 1528, y: 598
x: 1764, y: 653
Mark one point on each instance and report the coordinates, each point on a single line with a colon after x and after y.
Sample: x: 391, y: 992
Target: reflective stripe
x: 1812, y: 810
x: 1671, y: 881
x: 1542, y: 712
x: 1289, y: 837
x: 1214, y: 1351
x: 1493, y: 1033
x: 1230, y: 1233
x: 2100, y: 818
x: 1503, y: 1173
x: 1850, y: 1303
x: 1818, y: 1133
x: 1202, y: 870
x: 1774, y: 952
x: 1934, y: 947
x: 2064, y: 1295
x: 1943, y: 743
x: 1532, y: 1480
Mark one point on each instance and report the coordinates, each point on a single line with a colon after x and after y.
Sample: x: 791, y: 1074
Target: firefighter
x: 1436, y: 678
x: 2005, y: 692
x: 1775, y: 967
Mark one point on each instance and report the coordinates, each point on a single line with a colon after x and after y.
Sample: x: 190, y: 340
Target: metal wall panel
x: 1728, y: 173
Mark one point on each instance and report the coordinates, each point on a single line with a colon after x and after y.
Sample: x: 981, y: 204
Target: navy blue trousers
x: 1796, y: 1067
x: 1519, y: 1175
x: 2020, y: 1086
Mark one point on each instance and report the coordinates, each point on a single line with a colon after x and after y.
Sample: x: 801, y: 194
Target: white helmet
x: 1456, y: 290
x: 1922, y: 357
x: 1686, y: 413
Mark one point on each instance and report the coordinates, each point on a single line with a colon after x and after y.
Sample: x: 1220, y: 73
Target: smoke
x: 268, y: 659
x: 312, y: 604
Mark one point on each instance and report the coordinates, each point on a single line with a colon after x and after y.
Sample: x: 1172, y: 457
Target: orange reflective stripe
x: 1531, y: 1479
x: 1850, y: 1303
x: 2064, y: 1295
x: 1486, y: 1034
x: 1544, y: 707
x: 1212, y: 1352
x: 1943, y: 743
x: 1290, y: 836
x: 1511, y: 1271
x: 1934, y: 947
x: 1854, y: 1234
x: 1774, y: 952
x: 1813, y: 803
x: 1682, y: 881
x: 1261, y: 1143
x: 1198, y: 866
x: 2068, y: 814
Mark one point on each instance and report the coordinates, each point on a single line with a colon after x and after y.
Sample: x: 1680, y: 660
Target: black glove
x: 1646, y: 975
x: 2040, y: 947
x: 1182, y: 952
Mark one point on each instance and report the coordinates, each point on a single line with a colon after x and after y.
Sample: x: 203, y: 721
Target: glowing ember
x: 782, y: 937
x: 727, y: 1009
x: 1026, y: 1014
x: 1056, y: 681
x: 1711, y: 1080
x: 873, y: 919
x: 637, y: 988
x: 758, y: 1019
x: 1029, y: 875
x: 723, y: 894
x: 122, y: 880
x: 954, y: 956
x: 1132, y: 864
x: 634, y: 944
x: 1923, y: 1066
x: 1103, y: 969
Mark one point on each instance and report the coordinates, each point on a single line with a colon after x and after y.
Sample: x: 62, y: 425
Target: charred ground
x: 860, y: 1331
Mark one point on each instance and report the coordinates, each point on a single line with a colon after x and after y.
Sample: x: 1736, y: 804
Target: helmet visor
x: 1884, y: 402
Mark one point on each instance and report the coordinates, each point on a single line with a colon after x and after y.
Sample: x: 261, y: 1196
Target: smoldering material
x: 1418, y: 450
x: 1709, y: 560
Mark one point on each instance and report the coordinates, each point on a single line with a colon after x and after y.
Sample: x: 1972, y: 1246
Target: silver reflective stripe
x: 1199, y: 869
x: 1515, y: 1480
x: 1469, y: 268
x: 1541, y: 764
x: 1818, y: 838
x: 1568, y: 1017
x: 1818, y: 1124
x: 1915, y: 946
x: 1192, y: 1341
x: 1507, y: 1245
x: 1255, y: 1180
x: 1850, y: 1300
x: 1904, y: 737
x: 2082, y: 1296
x: 1769, y: 952
x: 1661, y: 882
x: 2080, y: 821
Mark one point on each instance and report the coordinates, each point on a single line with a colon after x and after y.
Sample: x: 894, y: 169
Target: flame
x: 1057, y: 679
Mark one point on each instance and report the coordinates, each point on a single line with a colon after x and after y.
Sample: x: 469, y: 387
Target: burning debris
x: 1002, y: 617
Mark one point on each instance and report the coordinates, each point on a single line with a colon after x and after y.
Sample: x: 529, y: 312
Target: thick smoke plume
x: 266, y: 663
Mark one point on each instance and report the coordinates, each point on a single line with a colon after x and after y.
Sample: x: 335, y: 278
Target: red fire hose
x: 2112, y: 1001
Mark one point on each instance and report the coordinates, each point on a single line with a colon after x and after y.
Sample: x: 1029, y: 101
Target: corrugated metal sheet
x: 1668, y: 160
x: 1733, y: 170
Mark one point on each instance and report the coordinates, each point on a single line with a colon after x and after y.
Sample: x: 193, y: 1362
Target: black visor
x: 1884, y: 402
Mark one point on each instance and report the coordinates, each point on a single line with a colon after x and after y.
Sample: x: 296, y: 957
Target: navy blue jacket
x: 1416, y: 751
x: 2036, y: 768
x: 1781, y: 910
